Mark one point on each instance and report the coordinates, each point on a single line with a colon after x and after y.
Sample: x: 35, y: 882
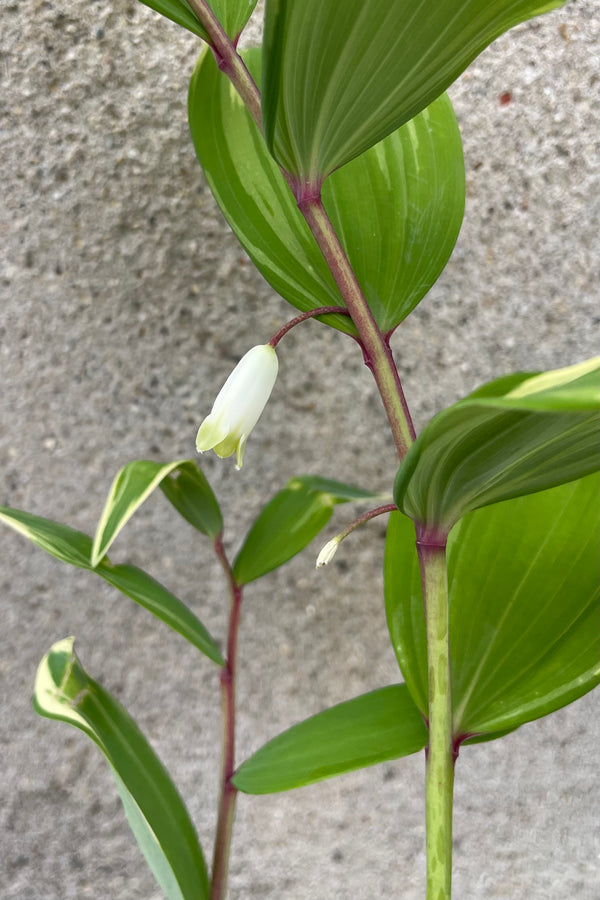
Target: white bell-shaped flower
x: 239, y: 404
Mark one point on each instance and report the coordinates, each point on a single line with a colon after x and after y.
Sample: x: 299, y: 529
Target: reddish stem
x: 310, y: 314
x: 377, y: 354
x: 228, y: 59
x: 367, y: 516
x: 228, y: 790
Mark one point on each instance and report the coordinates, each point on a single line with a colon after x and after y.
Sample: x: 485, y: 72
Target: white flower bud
x: 239, y: 404
x: 328, y: 552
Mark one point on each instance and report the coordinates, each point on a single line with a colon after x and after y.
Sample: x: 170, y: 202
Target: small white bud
x: 328, y: 552
x: 239, y: 404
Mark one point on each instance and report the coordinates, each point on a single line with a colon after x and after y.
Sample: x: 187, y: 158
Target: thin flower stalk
x: 330, y: 548
x: 303, y: 317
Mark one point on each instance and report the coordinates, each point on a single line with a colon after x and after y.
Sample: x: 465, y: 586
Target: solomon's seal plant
x: 335, y: 156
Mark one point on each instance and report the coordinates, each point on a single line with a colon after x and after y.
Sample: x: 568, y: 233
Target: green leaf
x: 397, y: 208
x: 131, y: 486
x: 179, y: 12
x: 153, y: 596
x: 382, y: 725
x: 75, y: 548
x: 156, y: 812
x: 405, y: 619
x: 284, y: 527
x: 187, y: 489
x: 253, y: 195
x: 516, y: 435
x: 60, y: 541
x: 337, y: 491
x: 232, y: 14
x: 339, y: 77
x: 289, y: 522
x: 523, y: 583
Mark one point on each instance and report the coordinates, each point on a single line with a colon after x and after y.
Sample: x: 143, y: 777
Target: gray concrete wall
x: 125, y: 302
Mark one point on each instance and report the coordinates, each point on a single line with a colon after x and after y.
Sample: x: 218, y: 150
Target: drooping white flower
x: 239, y: 404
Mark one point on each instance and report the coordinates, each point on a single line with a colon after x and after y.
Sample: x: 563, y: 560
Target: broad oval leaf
x: 513, y: 436
x: 376, y: 727
x: 156, y: 812
x: 339, y: 77
x: 75, y: 548
x: 187, y: 489
x: 397, y: 208
x: 253, y: 194
x: 232, y: 14
x: 523, y: 585
x: 289, y: 522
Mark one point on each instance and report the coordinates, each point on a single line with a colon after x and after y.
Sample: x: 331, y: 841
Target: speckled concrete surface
x: 125, y: 302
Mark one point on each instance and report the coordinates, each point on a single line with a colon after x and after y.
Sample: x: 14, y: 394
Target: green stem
x: 439, y: 777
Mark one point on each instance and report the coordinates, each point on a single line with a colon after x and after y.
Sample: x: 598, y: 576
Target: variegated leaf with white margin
x: 516, y: 435
x: 155, y: 810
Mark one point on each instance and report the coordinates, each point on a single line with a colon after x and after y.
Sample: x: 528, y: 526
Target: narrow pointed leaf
x: 514, y: 436
x: 131, y: 486
x: 182, y: 482
x: 397, y: 208
x: 289, y: 522
x: 337, y: 491
x: 232, y: 14
x: 64, y: 543
x: 187, y: 489
x: 376, y: 727
x: 405, y: 619
x: 339, y: 77
x: 75, y: 548
x: 156, y: 812
x: 179, y: 12
x: 523, y: 582
x: 286, y: 525
x: 154, y: 597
